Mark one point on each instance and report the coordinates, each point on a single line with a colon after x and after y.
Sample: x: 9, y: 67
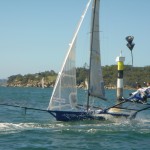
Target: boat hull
x: 76, y: 116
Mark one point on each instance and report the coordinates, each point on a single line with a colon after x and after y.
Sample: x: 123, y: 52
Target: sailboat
x: 86, y: 84
x: 64, y: 103
x: 42, y: 83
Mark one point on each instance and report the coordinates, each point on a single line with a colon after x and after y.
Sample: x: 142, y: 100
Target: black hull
x: 77, y: 116
x: 73, y: 116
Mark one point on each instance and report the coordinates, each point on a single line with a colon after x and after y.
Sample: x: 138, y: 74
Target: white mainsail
x: 96, y: 84
x: 64, y: 96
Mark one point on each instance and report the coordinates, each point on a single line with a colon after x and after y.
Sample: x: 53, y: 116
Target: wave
x: 139, y: 126
x: 18, y: 127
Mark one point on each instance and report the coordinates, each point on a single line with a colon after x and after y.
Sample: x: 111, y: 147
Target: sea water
x: 37, y: 130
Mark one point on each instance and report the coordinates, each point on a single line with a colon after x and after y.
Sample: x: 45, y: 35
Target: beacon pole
x: 120, y: 60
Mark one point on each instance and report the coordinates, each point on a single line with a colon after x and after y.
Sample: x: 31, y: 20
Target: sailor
x: 139, y: 94
x: 147, y: 90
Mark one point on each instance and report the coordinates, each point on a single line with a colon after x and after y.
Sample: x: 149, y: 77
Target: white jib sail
x: 64, y: 96
x: 96, y: 84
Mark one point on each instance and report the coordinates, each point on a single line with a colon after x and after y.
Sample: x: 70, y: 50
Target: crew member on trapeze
x: 148, y: 90
x: 140, y: 94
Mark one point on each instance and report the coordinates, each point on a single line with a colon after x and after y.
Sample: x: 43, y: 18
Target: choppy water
x: 39, y: 130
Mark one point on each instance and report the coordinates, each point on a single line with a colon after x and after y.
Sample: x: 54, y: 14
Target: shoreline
x: 52, y: 86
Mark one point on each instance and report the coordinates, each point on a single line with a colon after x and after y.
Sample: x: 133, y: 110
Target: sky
x: 35, y: 34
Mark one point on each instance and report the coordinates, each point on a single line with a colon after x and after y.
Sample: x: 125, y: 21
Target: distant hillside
x: 33, y: 80
x: 132, y: 75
